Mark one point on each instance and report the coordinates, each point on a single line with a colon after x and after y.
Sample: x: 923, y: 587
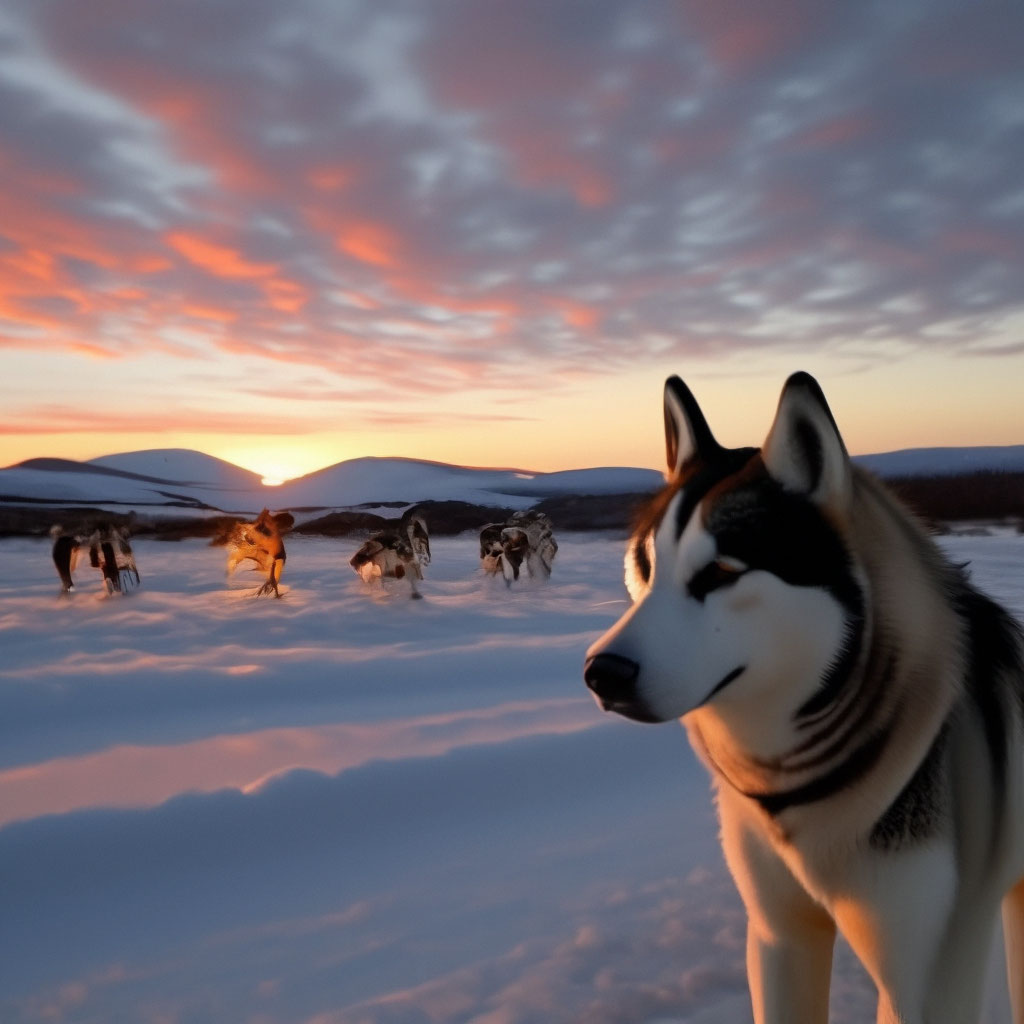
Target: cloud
x: 578, y: 187
x: 220, y: 260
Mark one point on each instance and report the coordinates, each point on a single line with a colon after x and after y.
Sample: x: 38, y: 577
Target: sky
x: 484, y: 232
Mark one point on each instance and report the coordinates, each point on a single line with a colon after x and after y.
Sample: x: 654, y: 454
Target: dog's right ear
x: 804, y: 450
x: 687, y: 434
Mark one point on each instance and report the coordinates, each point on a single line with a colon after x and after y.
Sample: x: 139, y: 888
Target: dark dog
x: 109, y: 551
x: 525, y: 537
x: 396, y: 554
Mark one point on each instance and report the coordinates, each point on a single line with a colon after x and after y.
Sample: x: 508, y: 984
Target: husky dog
x: 860, y: 706
x: 396, y: 554
x: 526, y: 536
x: 109, y: 551
x: 260, y: 541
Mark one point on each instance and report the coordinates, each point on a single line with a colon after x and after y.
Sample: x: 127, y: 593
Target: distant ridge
x: 183, y: 485
x: 945, y: 461
x: 70, y: 466
x: 178, y: 466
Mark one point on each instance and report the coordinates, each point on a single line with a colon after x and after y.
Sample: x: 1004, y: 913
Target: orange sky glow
x: 359, y: 234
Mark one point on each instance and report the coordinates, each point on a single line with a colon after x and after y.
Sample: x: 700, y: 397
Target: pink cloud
x: 741, y: 36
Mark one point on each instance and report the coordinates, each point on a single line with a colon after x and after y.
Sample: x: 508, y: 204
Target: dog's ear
x: 804, y: 450
x: 687, y: 434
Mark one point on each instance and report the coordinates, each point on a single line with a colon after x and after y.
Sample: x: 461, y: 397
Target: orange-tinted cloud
x: 210, y: 313
x: 91, y: 351
x: 577, y: 314
x: 221, y: 260
x: 327, y: 178
x: 285, y: 296
x: 171, y: 418
x: 370, y: 242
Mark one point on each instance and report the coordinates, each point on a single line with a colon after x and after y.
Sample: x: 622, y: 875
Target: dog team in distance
x: 395, y: 553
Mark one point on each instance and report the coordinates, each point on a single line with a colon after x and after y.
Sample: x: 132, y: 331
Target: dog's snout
x: 612, y: 678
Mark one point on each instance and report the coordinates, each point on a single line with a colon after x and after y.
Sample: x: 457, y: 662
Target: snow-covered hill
x: 173, y: 480
x: 370, y: 480
x: 945, y: 461
x: 182, y: 465
x: 169, y: 481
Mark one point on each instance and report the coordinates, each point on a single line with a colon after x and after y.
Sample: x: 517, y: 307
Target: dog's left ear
x: 803, y: 450
x: 687, y: 434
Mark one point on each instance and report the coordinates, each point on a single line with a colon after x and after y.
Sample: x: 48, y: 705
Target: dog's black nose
x: 612, y: 678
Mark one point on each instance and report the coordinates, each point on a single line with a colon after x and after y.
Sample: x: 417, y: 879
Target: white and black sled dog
x: 110, y: 551
x: 401, y: 553
x: 860, y: 706
x: 526, y: 537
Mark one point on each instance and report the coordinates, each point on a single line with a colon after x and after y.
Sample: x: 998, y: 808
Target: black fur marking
x: 62, y: 549
x: 839, y: 672
x: 705, y: 476
x: 704, y: 443
x: 734, y: 674
x: 110, y: 572
x: 695, y: 481
x: 766, y: 527
x: 994, y: 660
x: 713, y: 576
x: 844, y: 775
x: 916, y: 813
x: 642, y: 559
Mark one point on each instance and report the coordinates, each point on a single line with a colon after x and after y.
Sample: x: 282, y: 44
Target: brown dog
x: 261, y: 541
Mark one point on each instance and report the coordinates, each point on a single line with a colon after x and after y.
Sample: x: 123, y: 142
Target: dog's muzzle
x: 613, y: 678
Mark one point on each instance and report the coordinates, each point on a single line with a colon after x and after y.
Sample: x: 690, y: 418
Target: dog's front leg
x: 790, y: 936
x: 270, y: 587
x: 789, y: 974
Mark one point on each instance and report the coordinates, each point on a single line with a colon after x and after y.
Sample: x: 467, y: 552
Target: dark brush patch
x: 995, y: 673
x: 917, y: 812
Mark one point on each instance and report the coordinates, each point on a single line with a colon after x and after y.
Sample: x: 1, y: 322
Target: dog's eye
x: 722, y: 572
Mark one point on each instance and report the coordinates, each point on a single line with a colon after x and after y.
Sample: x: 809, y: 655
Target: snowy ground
x: 346, y: 807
